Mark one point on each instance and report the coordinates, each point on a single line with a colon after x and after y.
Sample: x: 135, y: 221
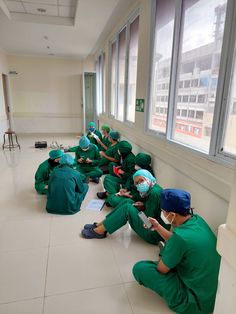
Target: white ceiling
x: 68, y: 28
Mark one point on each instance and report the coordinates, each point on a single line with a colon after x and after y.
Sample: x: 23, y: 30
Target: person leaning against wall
x: 186, y: 274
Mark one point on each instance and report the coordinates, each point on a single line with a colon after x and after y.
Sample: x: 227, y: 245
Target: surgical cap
x: 55, y: 153
x: 142, y: 159
x: 91, y: 124
x: 175, y: 200
x: 114, y: 135
x: 145, y: 174
x: 67, y: 159
x: 105, y: 127
x: 125, y: 147
x: 84, y: 142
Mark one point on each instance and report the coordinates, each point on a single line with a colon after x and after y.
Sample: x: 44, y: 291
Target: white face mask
x: 136, y: 167
x: 164, y: 218
x: 85, y: 149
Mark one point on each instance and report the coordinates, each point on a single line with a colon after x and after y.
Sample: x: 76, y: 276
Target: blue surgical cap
x: 55, y: 153
x: 84, y: 142
x: 175, y: 200
x: 146, y: 174
x: 67, y: 159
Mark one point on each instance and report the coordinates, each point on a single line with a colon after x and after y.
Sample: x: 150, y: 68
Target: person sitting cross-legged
x: 186, y: 274
x: 87, y: 158
x: 120, y: 174
x: 66, y: 190
x: 128, y: 212
x: 45, y: 169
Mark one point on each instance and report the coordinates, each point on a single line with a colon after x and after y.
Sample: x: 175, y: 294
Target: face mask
x: 165, y: 220
x: 119, y: 153
x: 85, y: 149
x: 143, y: 187
x: 136, y: 167
x: 91, y: 129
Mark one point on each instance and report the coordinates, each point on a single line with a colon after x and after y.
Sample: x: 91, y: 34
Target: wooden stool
x: 11, y: 145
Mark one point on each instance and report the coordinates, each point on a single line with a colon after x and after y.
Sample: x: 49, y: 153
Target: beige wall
x: 3, y: 70
x: 46, y: 94
x: 208, y: 182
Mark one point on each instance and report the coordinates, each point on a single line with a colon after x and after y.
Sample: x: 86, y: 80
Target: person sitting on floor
x: 125, y: 212
x: 45, y: 169
x: 93, y: 134
x: 111, y: 154
x: 104, y: 143
x: 131, y: 194
x: 66, y: 190
x: 186, y: 274
x: 87, y: 158
x: 119, y: 174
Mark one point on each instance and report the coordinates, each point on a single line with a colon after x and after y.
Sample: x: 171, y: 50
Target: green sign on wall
x: 139, y: 105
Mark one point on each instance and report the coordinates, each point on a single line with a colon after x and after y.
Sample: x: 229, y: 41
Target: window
x: 100, y: 68
x: 121, y: 74
x: 161, y: 59
x: 191, y: 113
x: 229, y: 141
x: 113, y: 78
x: 187, y: 55
x: 199, y: 115
x: 124, y: 58
x: 132, y: 70
x: 204, y: 52
x: 193, y: 98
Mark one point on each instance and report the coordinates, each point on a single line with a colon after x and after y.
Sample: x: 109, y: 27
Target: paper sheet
x: 95, y: 205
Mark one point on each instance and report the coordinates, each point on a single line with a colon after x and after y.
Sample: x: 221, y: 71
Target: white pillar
x: 226, y: 246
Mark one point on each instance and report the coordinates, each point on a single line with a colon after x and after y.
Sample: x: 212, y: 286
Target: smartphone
x: 145, y: 220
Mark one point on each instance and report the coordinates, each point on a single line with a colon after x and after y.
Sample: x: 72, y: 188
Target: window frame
x: 100, y: 82
x: 222, y: 93
x: 126, y: 26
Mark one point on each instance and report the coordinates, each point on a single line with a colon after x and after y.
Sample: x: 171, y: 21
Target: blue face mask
x: 91, y: 129
x: 143, y: 187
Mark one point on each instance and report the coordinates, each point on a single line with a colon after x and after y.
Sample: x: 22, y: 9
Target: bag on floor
x: 41, y: 144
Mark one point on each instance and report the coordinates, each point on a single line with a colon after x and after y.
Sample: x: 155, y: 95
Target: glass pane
x: 199, y: 67
x: 121, y: 75
x: 229, y: 145
x: 113, y: 78
x: 132, y: 71
x: 161, y: 65
x: 103, y: 84
x: 99, y: 85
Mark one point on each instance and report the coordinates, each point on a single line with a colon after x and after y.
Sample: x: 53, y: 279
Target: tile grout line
x: 46, y: 274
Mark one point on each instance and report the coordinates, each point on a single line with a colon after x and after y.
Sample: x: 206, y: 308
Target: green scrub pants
x: 93, y: 172
x: 126, y: 212
x: 169, y: 286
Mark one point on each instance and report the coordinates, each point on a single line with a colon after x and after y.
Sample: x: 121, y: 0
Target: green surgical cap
x: 84, y: 142
x: 105, y: 127
x: 55, y: 153
x: 143, y: 159
x: 114, y: 135
x: 91, y: 123
x: 145, y: 174
x: 125, y: 147
x: 67, y: 159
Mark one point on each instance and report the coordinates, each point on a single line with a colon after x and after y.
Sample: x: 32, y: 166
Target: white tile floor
x: 46, y: 267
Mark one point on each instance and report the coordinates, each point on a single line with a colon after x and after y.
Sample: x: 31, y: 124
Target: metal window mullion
x: 126, y: 70
x: 116, y: 77
x: 175, y: 68
x: 224, y: 83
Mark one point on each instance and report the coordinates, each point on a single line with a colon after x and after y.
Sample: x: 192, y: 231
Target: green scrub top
x: 106, y: 142
x: 191, y: 251
x: 92, y: 153
x: 112, y: 151
x: 127, y: 165
x: 92, y: 139
x: 42, y: 176
x: 66, y: 191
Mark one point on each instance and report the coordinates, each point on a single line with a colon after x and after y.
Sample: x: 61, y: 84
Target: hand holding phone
x: 145, y: 220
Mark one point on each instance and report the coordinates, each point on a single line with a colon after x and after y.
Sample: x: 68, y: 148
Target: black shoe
x: 95, y: 180
x: 102, y: 195
x: 108, y: 204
